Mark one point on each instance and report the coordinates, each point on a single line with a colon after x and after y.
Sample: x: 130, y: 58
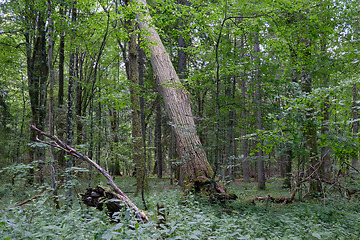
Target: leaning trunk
x: 196, y: 168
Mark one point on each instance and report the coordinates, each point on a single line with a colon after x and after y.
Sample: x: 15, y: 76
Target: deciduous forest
x: 179, y: 119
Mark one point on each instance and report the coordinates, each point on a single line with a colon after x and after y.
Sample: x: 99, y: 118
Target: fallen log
x: 268, y: 198
x: 139, y: 214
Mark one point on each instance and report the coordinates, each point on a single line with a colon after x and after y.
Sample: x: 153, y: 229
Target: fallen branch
x: 30, y: 199
x: 268, y: 198
x: 140, y: 215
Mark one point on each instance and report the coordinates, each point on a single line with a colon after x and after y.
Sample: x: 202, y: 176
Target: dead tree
x: 139, y: 214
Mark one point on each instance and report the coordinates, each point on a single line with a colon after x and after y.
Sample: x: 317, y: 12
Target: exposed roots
x: 214, y: 190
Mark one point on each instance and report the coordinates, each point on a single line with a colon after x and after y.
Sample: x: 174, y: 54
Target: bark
x: 197, y: 170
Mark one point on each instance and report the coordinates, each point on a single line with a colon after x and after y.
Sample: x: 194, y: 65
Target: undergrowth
x: 187, y: 218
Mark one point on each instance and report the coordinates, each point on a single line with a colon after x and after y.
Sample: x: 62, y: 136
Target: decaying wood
x: 140, y: 215
x: 99, y: 196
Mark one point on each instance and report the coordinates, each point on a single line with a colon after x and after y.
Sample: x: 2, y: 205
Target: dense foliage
x: 274, y: 88
x: 188, y: 218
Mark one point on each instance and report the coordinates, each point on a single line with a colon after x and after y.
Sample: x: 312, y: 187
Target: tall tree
x: 260, y: 153
x: 70, y: 98
x: 197, y: 170
x: 51, y: 90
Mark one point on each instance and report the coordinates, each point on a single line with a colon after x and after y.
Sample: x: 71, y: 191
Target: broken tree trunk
x: 198, y: 173
x: 140, y: 215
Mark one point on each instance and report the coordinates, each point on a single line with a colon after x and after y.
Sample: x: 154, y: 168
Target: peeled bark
x: 196, y: 168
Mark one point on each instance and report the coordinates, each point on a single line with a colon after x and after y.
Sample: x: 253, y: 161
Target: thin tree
x: 70, y: 99
x: 260, y: 153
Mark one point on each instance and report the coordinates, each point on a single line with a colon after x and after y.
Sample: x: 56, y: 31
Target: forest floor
x: 190, y: 217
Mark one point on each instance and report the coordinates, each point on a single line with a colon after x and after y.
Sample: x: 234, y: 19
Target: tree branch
x: 140, y: 215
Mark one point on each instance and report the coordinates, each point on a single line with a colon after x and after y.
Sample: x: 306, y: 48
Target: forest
x: 179, y: 119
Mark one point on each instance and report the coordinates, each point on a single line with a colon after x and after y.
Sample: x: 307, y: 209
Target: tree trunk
x: 229, y: 151
x: 196, y: 168
x: 51, y: 92
x: 60, y: 155
x: 244, y: 141
x: 310, y: 135
x: 158, y: 144
x: 181, y: 47
x: 70, y: 99
x: 287, y: 156
x: 355, y: 159
x: 114, y: 123
x: 138, y: 155
x: 260, y: 160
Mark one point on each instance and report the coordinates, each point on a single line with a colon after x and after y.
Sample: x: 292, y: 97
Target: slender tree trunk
x: 61, y: 61
x: 60, y: 155
x: 229, y: 148
x: 136, y: 114
x: 98, y: 150
x: 197, y: 170
x: 355, y: 159
x: 287, y: 156
x: 158, y: 144
x: 325, y: 150
x: 51, y: 92
x: 244, y: 140
x: 114, y: 123
x: 70, y: 99
x: 141, y: 59
x: 181, y: 47
x: 260, y: 160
